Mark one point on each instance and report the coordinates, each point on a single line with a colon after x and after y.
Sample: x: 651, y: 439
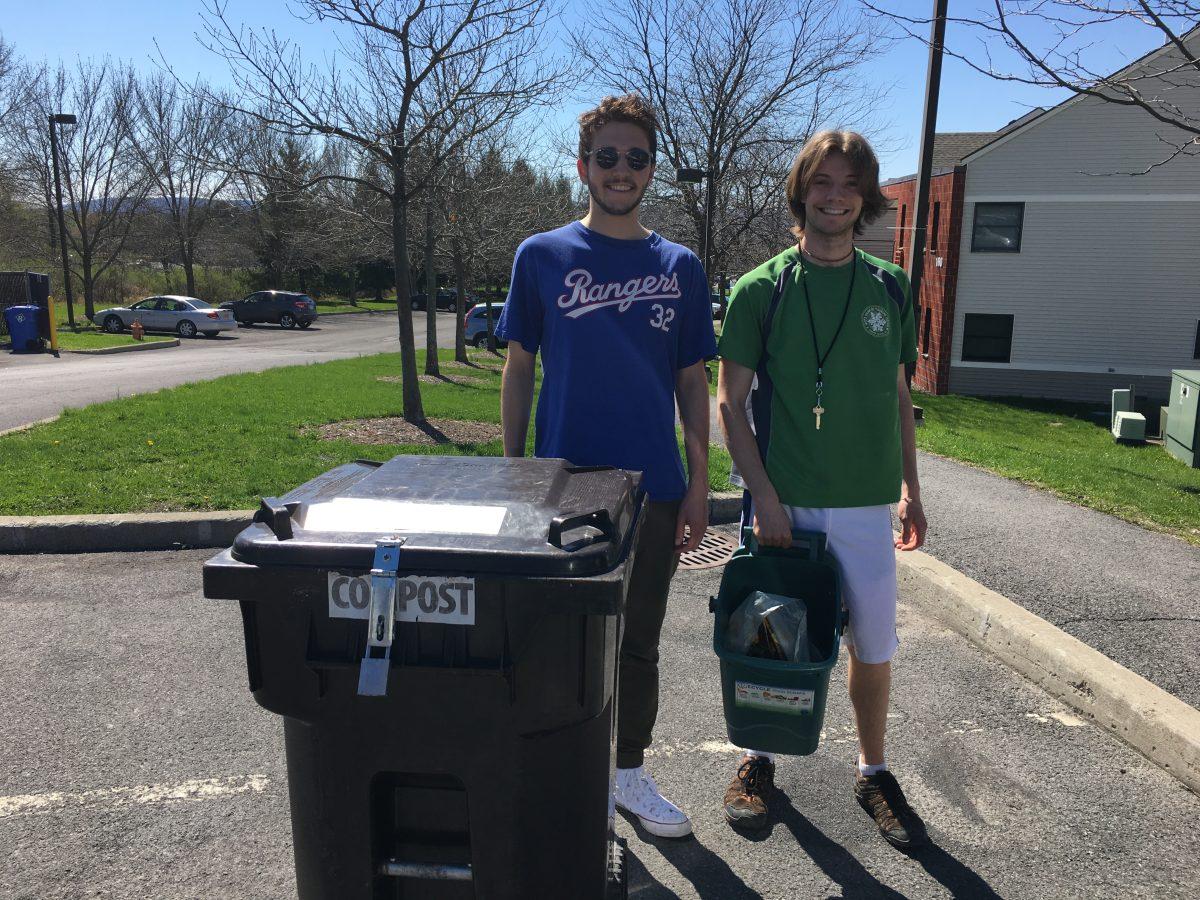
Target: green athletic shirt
x: 855, y: 458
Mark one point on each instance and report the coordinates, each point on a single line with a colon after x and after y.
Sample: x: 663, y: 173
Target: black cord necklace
x: 819, y: 410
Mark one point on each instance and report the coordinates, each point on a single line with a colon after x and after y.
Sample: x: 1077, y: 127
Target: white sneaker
x: 638, y: 794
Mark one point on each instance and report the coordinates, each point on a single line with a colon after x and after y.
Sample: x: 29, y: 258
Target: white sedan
x: 185, y: 316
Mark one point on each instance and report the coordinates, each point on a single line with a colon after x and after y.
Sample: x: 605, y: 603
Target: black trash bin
x: 472, y: 754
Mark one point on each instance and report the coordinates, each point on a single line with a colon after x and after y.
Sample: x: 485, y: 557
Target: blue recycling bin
x: 23, y: 329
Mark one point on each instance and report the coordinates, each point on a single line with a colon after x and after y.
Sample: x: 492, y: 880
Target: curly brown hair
x: 862, y: 158
x: 632, y: 108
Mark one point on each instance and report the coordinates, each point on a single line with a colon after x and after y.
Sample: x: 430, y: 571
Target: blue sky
x: 63, y: 29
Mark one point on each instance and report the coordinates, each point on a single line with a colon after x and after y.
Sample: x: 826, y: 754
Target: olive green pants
x: 637, y: 681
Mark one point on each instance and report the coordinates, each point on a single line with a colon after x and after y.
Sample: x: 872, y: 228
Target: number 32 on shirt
x: 661, y: 317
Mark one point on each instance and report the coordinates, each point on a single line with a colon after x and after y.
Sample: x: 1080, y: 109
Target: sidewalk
x: 1127, y: 592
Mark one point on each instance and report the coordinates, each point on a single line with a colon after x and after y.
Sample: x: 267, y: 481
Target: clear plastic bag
x: 771, y: 626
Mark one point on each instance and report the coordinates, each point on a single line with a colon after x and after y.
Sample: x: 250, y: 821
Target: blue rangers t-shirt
x: 614, y: 321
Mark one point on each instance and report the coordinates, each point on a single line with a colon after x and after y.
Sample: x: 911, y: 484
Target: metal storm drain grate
x: 714, y: 550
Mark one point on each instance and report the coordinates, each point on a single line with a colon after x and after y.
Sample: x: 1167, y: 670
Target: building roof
x: 950, y: 147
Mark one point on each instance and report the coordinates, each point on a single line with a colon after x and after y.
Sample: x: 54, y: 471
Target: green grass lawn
x: 222, y: 444
x: 96, y: 340
x: 333, y: 307
x: 1058, y: 447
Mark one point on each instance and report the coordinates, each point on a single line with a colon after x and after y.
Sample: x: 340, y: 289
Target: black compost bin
x: 440, y: 635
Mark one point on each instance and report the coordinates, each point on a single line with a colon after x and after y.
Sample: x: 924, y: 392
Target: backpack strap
x: 760, y: 397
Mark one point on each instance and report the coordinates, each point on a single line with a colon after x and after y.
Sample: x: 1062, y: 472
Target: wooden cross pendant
x: 818, y: 411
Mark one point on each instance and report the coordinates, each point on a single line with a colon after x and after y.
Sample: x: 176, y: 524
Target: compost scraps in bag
x: 771, y: 626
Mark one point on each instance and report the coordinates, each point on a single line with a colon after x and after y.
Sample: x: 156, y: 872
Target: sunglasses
x: 607, y: 157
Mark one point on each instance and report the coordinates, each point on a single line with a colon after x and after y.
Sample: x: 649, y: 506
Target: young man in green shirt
x: 822, y: 333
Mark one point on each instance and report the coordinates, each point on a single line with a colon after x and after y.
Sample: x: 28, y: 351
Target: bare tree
x: 407, y: 67
x: 738, y: 85
x: 177, y: 137
x: 102, y: 185
x: 16, y: 81
x: 1051, y: 43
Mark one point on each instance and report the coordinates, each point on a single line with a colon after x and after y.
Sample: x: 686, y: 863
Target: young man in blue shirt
x: 623, y: 323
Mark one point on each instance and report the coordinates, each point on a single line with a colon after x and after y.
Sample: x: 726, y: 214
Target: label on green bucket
x: 776, y: 699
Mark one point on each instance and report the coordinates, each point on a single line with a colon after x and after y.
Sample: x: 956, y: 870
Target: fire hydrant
x: 137, y: 330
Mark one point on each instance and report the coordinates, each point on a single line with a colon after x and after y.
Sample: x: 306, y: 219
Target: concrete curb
x: 28, y: 425
x: 105, y: 533
x: 724, y: 508
x: 126, y: 348
x: 1160, y: 726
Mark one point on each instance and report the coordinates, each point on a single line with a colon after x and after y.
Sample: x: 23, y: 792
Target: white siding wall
x: 1108, y: 276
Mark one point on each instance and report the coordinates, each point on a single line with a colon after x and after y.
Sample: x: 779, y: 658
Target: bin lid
x: 455, y: 513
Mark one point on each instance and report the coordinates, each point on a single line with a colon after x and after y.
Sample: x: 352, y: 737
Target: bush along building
x: 1050, y: 270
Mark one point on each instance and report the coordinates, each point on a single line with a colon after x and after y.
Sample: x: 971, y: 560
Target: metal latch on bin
x: 381, y: 620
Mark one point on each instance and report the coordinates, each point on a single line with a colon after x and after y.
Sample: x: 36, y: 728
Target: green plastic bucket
x: 775, y: 705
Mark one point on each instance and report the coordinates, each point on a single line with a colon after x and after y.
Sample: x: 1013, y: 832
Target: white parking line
x: 198, y: 789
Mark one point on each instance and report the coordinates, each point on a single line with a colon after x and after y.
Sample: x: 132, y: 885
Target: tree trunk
x: 354, y: 285
x: 431, y: 344
x: 89, y: 286
x: 491, y: 328
x: 189, y: 269
x: 414, y: 411
x: 460, y: 313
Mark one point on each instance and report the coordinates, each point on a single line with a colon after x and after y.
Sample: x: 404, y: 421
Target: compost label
x: 776, y: 699
x: 419, y: 598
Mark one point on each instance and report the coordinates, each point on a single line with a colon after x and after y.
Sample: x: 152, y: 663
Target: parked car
x: 447, y: 300
x: 284, y: 308
x: 475, y: 329
x: 185, y: 316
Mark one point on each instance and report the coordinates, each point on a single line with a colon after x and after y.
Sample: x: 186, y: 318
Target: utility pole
x: 695, y: 176
x: 61, y: 119
x: 933, y: 81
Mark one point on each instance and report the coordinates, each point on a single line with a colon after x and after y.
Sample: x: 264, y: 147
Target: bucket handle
x: 808, y: 545
x: 597, y: 518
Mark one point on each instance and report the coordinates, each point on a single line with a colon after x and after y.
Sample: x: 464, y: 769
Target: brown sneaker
x: 881, y: 797
x: 745, y: 798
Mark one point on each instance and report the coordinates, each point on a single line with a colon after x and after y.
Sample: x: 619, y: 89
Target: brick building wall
x: 939, y: 283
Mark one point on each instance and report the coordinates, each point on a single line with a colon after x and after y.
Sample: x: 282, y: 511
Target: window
x: 997, y: 228
x: 1196, y: 350
x: 925, y: 335
x: 987, y: 338
x: 933, y: 229
x: 900, y: 235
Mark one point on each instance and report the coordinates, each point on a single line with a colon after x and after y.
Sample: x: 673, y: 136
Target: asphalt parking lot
x: 135, y: 764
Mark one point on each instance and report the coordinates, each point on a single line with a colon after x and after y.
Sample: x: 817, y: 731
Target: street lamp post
x: 61, y: 119
x: 695, y: 176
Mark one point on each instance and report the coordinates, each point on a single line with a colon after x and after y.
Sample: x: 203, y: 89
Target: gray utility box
x: 1182, y: 436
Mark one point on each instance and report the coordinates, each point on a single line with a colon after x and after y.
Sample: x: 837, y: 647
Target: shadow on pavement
x: 832, y: 858
x: 841, y: 866
x: 955, y: 877
x: 708, y: 873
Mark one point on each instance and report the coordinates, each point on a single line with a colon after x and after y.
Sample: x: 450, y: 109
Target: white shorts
x: 862, y: 543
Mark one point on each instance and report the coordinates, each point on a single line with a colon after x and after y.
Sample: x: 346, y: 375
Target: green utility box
x: 1182, y: 434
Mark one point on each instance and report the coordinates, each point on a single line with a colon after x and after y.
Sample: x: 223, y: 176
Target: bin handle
x: 277, y: 516
x: 805, y: 544
x: 597, y: 518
